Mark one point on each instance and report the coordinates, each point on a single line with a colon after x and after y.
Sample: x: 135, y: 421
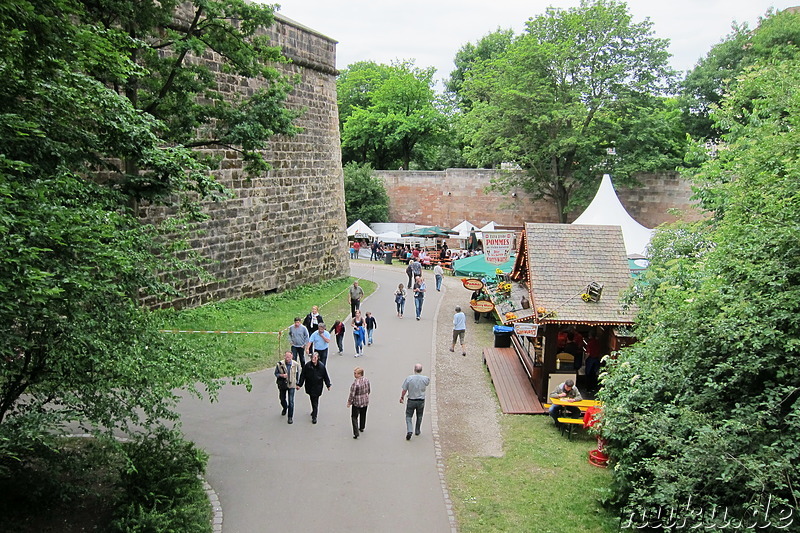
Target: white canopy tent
x: 391, y: 236
x: 463, y: 229
x: 359, y: 230
x: 491, y: 226
x: 607, y: 210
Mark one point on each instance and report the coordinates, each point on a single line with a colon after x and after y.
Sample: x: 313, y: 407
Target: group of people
x: 314, y: 378
x: 418, y: 292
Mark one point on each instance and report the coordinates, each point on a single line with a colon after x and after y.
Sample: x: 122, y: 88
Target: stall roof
x: 560, y: 260
x: 477, y: 265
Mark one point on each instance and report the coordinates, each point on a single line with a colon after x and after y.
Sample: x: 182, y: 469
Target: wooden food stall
x: 575, y: 276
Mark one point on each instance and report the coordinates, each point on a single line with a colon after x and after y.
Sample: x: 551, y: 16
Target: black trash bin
x: 387, y: 257
x: 502, y: 336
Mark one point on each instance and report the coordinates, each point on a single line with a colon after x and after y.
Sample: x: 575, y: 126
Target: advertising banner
x: 497, y: 246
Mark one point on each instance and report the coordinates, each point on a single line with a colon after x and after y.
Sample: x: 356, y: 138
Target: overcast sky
x: 432, y: 31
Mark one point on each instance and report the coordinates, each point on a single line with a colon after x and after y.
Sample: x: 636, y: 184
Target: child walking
x: 371, y: 324
x: 338, y: 331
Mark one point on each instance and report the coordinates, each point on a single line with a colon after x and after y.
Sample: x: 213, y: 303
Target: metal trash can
x: 502, y: 336
x: 387, y: 257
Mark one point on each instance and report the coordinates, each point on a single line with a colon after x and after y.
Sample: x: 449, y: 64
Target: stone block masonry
x: 286, y: 227
x: 450, y: 196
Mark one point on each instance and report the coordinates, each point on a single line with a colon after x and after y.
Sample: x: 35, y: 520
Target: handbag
x: 399, y: 298
x: 282, y: 383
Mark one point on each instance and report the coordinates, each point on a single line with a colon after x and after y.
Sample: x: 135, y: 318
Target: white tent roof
x: 463, y: 230
x: 491, y: 226
x: 360, y: 230
x: 390, y: 236
x: 607, y: 210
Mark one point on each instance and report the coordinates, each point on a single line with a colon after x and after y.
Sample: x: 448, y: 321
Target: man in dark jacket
x: 313, y: 376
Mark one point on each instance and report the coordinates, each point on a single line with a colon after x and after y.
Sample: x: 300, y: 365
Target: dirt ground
x: 468, y: 411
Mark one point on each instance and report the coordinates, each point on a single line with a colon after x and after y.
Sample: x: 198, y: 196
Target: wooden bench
x: 568, y: 424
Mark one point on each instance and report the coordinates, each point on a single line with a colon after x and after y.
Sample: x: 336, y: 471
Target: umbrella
x: 430, y: 232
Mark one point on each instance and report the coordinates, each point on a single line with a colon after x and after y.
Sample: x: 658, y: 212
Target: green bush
x: 161, y: 484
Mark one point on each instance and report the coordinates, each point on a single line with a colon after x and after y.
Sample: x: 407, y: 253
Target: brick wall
x: 450, y: 196
x: 286, y: 227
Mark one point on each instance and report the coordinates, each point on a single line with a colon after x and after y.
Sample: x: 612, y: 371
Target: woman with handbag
x: 359, y: 333
x: 400, y: 300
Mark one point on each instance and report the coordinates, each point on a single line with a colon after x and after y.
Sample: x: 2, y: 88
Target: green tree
x: 395, y: 118
x: 776, y: 37
x: 365, y: 195
x: 704, y: 411
x: 469, y: 56
x: 85, y: 86
x: 545, y: 103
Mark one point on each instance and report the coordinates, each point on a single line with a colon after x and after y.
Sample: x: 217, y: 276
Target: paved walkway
x: 271, y: 476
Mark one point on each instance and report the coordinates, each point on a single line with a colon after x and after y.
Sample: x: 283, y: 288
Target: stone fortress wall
x: 286, y: 227
x: 450, y: 196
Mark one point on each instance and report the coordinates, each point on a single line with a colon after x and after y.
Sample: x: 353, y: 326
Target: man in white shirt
x: 459, y: 330
x: 439, y: 273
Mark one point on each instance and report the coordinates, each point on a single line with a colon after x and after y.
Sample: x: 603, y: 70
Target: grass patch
x: 272, y: 313
x: 543, y: 483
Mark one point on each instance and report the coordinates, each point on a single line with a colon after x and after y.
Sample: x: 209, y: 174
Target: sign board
x: 482, y: 306
x: 472, y: 284
x: 526, y: 329
x: 497, y: 246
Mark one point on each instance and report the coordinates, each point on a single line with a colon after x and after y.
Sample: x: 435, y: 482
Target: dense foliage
x: 777, y: 38
x: 578, y: 93
x: 107, y: 89
x: 388, y: 114
x: 365, y: 196
x: 703, y: 414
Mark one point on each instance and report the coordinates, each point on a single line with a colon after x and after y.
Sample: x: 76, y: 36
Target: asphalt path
x: 304, y: 477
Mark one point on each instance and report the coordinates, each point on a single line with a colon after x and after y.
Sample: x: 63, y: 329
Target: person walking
x: 459, y: 330
x: 414, y: 385
x: 358, y: 401
x: 312, y: 319
x: 298, y: 336
x: 354, y: 296
x: 319, y: 342
x: 410, y: 274
x: 313, y: 376
x: 438, y: 273
x: 372, y: 325
x: 419, y: 295
x: 359, y: 333
x: 416, y: 267
x: 400, y: 300
x: 286, y: 374
x: 338, y: 331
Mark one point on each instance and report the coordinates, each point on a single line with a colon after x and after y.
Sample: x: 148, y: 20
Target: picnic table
x: 567, y: 422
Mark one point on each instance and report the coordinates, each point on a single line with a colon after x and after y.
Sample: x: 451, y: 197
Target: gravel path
x: 467, y: 405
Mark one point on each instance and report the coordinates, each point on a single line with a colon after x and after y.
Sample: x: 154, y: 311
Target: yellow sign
x: 482, y: 306
x: 472, y: 284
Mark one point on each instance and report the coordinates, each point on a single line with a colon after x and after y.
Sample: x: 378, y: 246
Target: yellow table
x: 582, y: 404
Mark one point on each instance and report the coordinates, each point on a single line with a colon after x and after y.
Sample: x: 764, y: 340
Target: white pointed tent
x: 607, y: 210
x: 463, y: 230
x: 359, y: 230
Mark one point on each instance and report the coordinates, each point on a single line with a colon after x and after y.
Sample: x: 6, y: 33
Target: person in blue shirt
x: 319, y: 341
